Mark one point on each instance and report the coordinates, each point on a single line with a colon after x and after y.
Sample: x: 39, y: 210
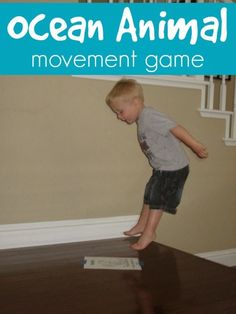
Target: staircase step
x: 213, y: 113
x: 219, y: 114
x: 230, y: 141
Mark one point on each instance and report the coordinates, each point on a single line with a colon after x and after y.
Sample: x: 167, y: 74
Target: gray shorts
x: 164, y: 189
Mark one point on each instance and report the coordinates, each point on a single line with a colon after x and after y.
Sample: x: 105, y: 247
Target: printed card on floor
x: 118, y: 263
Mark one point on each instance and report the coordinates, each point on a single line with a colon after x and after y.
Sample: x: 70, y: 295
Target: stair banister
x: 210, y: 94
x: 223, y: 90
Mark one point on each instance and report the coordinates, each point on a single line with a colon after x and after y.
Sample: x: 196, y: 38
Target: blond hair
x: 126, y: 90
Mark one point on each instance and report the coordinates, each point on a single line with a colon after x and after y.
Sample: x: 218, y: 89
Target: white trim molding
x: 224, y: 257
x: 66, y: 231
x: 218, y: 114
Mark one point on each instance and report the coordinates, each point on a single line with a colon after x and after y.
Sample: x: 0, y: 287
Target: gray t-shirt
x: 161, y: 147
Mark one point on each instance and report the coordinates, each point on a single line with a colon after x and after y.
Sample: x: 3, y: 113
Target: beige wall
x: 64, y: 155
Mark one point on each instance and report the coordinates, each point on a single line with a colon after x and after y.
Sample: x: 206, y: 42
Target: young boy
x: 159, y: 138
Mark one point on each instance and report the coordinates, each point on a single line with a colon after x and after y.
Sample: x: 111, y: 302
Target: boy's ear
x: 136, y: 100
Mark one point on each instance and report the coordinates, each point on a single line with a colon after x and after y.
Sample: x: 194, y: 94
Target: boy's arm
x: 183, y: 135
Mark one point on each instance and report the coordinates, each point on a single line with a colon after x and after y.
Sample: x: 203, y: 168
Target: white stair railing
x: 223, y: 88
x: 212, y: 109
x: 210, y: 95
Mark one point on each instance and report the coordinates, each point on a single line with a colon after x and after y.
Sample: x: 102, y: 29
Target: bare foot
x: 143, y: 241
x: 136, y: 230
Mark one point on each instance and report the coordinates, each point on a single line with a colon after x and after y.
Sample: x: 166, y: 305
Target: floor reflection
x: 157, y: 286
x: 143, y: 297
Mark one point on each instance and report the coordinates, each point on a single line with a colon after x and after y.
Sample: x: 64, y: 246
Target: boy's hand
x: 200, y: 150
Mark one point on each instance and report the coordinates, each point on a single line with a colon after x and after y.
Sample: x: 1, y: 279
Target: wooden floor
x: 51, y: 280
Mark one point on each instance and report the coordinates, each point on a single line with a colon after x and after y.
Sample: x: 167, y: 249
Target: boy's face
x: 126, y: 111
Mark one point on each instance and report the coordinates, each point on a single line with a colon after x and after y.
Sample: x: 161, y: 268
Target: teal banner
x: 117, y: 39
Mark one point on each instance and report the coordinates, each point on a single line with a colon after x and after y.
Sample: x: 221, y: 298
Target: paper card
x: 118, y: 263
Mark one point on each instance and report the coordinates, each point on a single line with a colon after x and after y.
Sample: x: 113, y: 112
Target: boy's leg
x: 149, y: 232
x: 140, y: 225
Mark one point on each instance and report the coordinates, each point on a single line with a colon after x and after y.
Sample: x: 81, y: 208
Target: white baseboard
x: 66, y: 231
x: 224, y: 257
x: 69, y: 231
